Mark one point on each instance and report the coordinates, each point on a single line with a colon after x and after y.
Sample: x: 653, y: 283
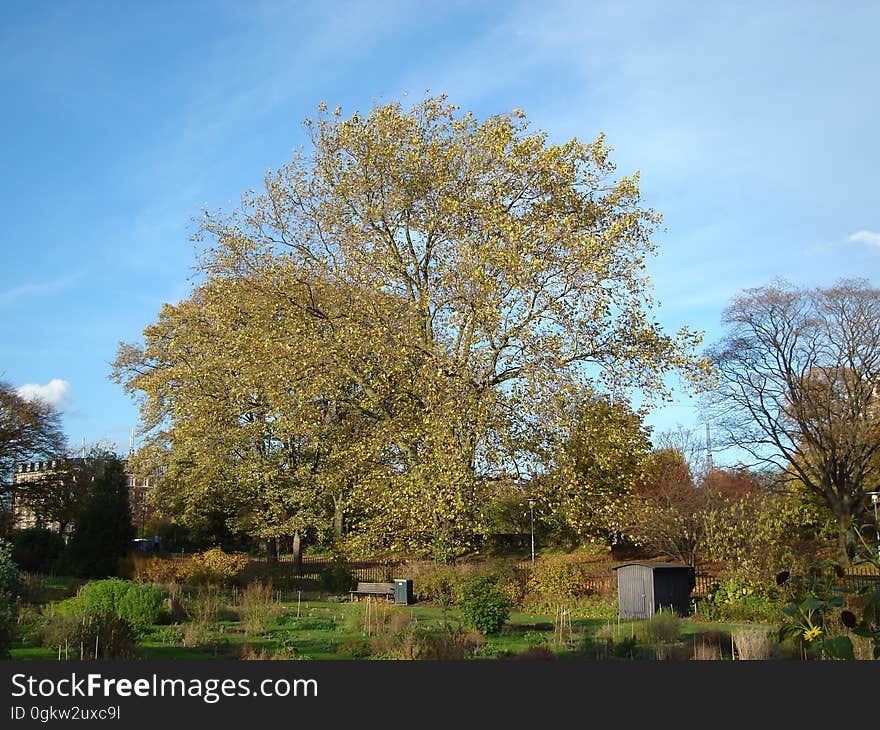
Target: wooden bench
x: 385, y: 590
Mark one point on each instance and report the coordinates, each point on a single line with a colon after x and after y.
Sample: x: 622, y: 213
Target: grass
x: 41, y: 589
x: 327, y: 628
x: 32, y: 652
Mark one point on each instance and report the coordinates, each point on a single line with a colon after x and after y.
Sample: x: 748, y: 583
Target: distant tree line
x: 84, y: 500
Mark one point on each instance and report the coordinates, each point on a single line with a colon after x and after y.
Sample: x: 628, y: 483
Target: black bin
x: 403, y: 591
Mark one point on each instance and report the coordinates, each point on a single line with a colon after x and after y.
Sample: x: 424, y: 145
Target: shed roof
x: 655, y: 566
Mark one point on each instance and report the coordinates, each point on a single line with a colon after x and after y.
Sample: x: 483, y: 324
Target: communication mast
x: 709, y: 464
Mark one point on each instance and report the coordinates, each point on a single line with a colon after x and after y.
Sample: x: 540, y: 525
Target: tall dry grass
x: 706, y: 651
x: 258, y: 606
x: 751, y: 644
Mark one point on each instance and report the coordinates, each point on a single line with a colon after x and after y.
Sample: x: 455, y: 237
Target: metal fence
x: 856, y: 578
x: 702, y: 585
x: 862, y: 576
x: 601, y: 580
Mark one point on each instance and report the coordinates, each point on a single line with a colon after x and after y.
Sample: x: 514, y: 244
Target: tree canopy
x: 29, y: 429
x: 599, y: 465
x: 405, y: 311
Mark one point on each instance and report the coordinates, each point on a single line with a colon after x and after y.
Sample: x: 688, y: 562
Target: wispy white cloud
x: 39, y: 288
x: 872, y: 238
x: 178, y: 170
x: 56, y: 392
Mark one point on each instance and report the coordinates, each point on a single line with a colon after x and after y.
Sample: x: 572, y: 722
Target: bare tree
x: 798, y: 388
x: 690, y: 450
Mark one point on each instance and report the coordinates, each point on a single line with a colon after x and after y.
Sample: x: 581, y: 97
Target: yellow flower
x: 812, y: 633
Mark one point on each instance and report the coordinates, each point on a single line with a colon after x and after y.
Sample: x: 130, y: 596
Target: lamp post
x: 143, y: 514
x: 532, y: 525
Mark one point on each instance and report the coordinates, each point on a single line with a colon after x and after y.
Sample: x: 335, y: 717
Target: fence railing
x: 862, y: 576
x: 602, y: 581
x: 702, y: 585
x: 856, y: 578
x: 363, y: 570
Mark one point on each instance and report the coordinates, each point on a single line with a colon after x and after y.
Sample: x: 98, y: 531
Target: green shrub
x: 215, y: 567
x: 102, y: 597
x: 89, y: 636
x: 141, y: 605
x: 556, y: 583
x: 36, y: 549
x: 10, y: 587
x: 438, y: 585
x: 664, y: 627
x: 66, y: 607
x: 483, y: 606
x: 337, y: 578
x: 507, y: 579
x: 733, y: 600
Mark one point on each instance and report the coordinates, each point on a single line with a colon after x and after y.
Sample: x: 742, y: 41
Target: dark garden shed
x: 645, y: 588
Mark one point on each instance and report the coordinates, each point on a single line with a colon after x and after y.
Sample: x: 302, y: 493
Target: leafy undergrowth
x: 332, y: 629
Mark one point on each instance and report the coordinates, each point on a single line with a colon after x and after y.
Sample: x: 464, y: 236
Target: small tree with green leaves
x: 484, y: 607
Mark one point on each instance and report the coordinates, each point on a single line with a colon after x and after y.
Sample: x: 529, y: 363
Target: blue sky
x: 754, y: 127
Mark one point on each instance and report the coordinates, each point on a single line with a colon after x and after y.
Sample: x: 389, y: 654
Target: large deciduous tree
x: 799, y: 379
x: 666, y: 513
x: 29, y: 429
x: 228, y: 433
x: 441, y: 284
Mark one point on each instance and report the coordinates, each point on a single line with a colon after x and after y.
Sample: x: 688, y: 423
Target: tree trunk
x: 845, y: 542
x: 297, y: 553
x: 338, y: 519
x: 272, y: 549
